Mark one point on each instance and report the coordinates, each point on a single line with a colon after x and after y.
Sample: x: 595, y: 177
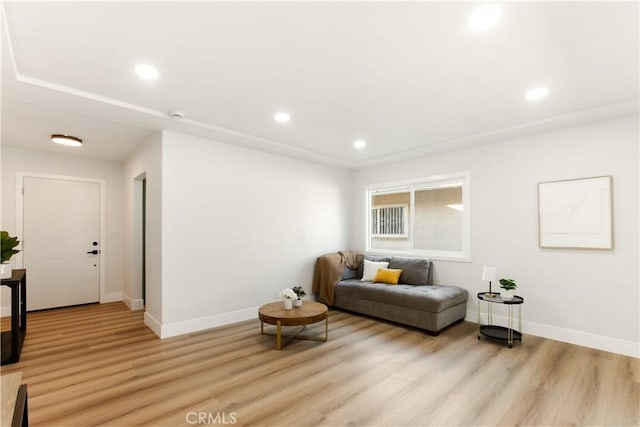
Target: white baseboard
x: 133, y: 304
x: 153, y: 324
x: 202, y: 323
x: 5, y: 310
x: 112, y: 297
x: 600, y: 342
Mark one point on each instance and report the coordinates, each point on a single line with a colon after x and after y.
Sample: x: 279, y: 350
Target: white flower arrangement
x: 288, y: 294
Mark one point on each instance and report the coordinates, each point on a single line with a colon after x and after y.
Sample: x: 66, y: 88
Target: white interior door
x: 61, y: 222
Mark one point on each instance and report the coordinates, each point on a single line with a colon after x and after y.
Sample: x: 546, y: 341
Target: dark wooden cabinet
x: 12, y: 340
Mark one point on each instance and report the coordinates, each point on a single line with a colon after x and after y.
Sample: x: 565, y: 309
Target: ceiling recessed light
x: 71, y: 141
x: 146, y: 72
x: 484, y: 17
x: 536, y: 93
x: 359, y: 144
x: 282, y: 117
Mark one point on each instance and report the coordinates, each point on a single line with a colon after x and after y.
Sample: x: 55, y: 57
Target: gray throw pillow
x: 415, y: 271
x: 350, y: 274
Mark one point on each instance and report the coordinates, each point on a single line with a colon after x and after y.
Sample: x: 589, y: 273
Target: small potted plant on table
x: 299, y: 294
x: 509, y: 286
x: 7, y: 247
x: 288, y: 296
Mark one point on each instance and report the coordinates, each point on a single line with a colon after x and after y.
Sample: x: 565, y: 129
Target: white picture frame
x: 576, y: 213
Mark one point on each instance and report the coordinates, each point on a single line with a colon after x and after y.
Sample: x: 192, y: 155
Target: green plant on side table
x: 509, y: 286
x: 300, y: 293
x: 7, y: 250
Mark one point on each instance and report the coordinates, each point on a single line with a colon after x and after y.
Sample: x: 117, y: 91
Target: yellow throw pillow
x: 388, y: 275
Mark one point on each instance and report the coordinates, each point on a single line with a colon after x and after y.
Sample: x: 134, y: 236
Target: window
x: 426, y: 217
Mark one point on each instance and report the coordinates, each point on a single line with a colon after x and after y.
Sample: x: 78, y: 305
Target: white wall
x: 588, y: 297
x: 238, y: 226
x: 147, y: 162
x: 20, y: 160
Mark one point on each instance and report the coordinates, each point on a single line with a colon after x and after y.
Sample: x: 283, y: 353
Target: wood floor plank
x: 99, y: 365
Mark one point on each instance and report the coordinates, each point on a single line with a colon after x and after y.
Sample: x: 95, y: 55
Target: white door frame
x: 20, y: 176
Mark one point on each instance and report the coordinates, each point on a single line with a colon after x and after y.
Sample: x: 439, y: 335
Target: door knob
x: 94, y: 252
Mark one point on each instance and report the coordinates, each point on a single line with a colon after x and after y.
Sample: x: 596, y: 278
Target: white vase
x: 298, y: 303
x: 507, y: 294
x: 5, y: 270
x: 288, y: 304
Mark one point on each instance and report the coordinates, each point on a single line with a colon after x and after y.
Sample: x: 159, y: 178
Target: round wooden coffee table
x: 310, y: 312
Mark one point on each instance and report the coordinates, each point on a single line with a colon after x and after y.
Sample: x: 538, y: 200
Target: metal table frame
x: 508, y: 334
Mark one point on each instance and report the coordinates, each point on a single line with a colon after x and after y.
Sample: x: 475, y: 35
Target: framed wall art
x: 576, y: 213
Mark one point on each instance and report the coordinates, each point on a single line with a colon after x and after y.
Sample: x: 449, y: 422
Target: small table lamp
x: 489, y: 273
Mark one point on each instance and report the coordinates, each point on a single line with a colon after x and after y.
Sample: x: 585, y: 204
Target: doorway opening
x: 144, y: 241
x: 139, y: 291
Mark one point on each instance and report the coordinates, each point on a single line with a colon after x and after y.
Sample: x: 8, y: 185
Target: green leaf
x: 7, y: 245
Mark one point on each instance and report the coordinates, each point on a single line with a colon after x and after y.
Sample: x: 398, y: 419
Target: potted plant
x: 288, y: 296
x: 509, y: 286
x: 300, y: 293
x: 7, y: 250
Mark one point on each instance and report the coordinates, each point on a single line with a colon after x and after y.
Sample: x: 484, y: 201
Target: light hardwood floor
x: 99, y: 365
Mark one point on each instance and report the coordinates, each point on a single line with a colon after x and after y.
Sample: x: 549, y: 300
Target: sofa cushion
x: 371, y: 269
x: 387, y: 275
x: 350, y: 273
x: 431, y: 299
x: 415, y: 271
x: 370, y: 258
x: 375, y: 258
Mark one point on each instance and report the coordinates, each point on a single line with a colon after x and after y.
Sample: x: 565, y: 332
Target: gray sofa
x: 414, y: 301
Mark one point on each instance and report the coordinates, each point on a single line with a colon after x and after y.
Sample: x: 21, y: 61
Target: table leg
x: 510, y: 330
x: 489, y: 313
x: 520, y: 320
x: 15, y: 317
x: 326, y: 329
x: 279, y: 335
x: 479, y: 310
x: 23, y: 302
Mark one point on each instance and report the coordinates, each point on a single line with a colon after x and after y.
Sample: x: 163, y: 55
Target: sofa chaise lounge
x: 414, y: 301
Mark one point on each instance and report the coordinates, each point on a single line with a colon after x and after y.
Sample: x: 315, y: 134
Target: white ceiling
x: 409, y: 78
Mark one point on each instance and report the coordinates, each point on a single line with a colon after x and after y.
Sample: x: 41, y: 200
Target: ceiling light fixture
x: 282, y: 117
x: 484, y: 17
x: 68, y: 140
x: 146, y: 71
x: 536, y: 93
x: 360, y: 144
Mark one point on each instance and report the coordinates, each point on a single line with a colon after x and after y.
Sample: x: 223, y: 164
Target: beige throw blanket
x: 329, y: 270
